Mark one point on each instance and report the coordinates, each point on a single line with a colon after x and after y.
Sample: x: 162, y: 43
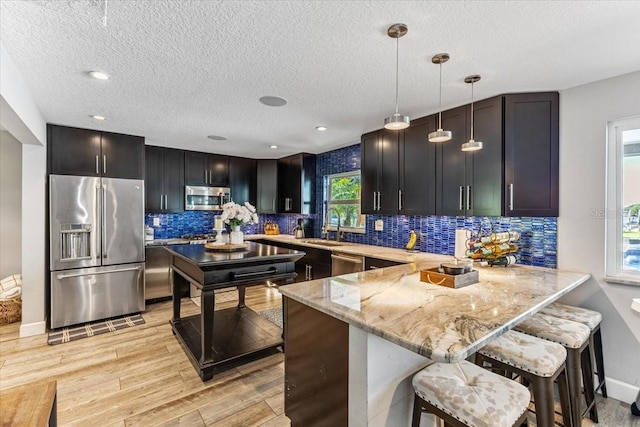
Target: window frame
x: 327, y: 203
x: 614, y: 271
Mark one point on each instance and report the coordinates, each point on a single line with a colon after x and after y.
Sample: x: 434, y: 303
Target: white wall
x: 10, y: 205
x: 20, y: 116
x: 584, y: 113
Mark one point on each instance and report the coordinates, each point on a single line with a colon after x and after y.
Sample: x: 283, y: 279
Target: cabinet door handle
x: 379, y: 200
x: 400, y: 199
x: 374, y: 201
x: 210, y: 177
x: 461, y: 198
x: 165, y: 202
x: 273, y: 204
x: 510, y: 197
x: 97, y: 165
x: 310, y: 273
x: 104, y: 165
x: 468, y: 197
x: 161, y: 202
x: 206, y: 180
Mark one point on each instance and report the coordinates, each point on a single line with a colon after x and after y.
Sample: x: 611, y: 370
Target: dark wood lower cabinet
x: 316, y: 377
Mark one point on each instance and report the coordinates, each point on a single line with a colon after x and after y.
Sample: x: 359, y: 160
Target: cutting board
x: 227, y: 247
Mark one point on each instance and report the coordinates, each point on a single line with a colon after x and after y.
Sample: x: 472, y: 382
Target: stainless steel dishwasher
x: 342, y: 263
x: 157, y: 272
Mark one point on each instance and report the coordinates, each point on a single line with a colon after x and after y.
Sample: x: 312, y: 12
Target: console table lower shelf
x: 240, y: 335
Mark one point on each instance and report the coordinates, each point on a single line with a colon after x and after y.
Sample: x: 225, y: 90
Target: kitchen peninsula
x: 216, y: 341
x: 367, y: 334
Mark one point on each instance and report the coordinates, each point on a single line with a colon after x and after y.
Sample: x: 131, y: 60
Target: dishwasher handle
x: 347, y: 259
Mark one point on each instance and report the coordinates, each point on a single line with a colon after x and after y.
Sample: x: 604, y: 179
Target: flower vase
x: 236, y: 236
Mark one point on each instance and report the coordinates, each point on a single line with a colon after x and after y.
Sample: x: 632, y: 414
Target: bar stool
x: 575, y: 338
x: 540, y: 362
x: 591, y: 319
x: 463, y: 394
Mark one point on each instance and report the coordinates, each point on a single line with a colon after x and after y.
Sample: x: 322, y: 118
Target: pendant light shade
x: 440, y: 135
x: 397, y: 121
x: 472, y: 145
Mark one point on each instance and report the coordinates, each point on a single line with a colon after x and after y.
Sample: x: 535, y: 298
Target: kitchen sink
x: 322, y: 242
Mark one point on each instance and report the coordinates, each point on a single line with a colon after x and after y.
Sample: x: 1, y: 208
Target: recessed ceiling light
x: 273, y: 146
x: 217, y: 137
x: 321, y: 128
x: 98, y: 117
x: 99, y: 75
x: 273, y: 101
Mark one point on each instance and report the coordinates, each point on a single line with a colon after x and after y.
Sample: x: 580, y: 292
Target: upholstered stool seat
x: 540, y: 362
x: 464, y: 394
x: 591, y: 319
x: 574, y: 337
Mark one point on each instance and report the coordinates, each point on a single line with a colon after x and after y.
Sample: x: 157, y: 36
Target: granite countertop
x: 255, y: 252
x: 380, y: 252
x: 443, y: 324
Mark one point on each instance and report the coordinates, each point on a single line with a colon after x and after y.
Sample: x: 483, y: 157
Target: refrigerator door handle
x: 103, y: 221
x: 120, y: 270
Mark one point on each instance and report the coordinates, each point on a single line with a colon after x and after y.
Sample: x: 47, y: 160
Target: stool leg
x: 587, y: 380
x: 563, y: 390
x: 543, y: 396
x: 573, y: 378
x: 597, y: 347
x: 417, y: 411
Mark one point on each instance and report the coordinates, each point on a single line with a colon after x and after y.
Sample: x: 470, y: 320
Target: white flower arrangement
x: 236, y: 215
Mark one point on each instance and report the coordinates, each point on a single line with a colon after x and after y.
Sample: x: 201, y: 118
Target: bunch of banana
x: 413, y: 238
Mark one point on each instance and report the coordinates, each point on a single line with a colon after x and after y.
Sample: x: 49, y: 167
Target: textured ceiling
x: 182, y: 70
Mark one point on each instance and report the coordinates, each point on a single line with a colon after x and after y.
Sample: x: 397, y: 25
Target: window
x: 623, y: 201
x: 342, y: 196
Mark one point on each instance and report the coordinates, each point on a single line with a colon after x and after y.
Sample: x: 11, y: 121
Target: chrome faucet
x: 325, y: 227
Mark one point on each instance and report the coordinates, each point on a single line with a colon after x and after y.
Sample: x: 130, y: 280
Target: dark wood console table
x: 216, y: 341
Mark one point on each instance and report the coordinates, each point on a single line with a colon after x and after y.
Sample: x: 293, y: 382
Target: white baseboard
x: 620, y: 391
x: 30, y: 329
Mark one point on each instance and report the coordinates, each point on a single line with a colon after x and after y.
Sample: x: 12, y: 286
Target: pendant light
x: 397, y: 121
x: 472, y: 145
x: 440, y: 135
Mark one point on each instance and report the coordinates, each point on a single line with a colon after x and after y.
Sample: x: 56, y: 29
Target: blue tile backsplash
x: 538, y: 241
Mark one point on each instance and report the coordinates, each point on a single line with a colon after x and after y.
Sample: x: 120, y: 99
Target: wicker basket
x: 10, y: 310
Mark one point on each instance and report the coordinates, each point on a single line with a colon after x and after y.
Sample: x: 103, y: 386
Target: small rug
x: 273, y: 314
x: 225, y: 296
x: 73, y: 333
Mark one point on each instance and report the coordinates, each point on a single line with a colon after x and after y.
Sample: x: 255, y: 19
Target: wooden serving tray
x: 432, y: 276
x: 227, y: 247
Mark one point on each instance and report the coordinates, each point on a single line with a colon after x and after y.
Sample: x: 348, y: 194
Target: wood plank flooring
x: 141, y: 377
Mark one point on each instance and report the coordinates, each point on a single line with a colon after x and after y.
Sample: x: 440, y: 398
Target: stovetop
x: 199, y: 236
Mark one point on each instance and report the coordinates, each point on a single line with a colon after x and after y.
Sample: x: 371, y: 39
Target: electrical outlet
x: 156, y: 222
x: 379, y: 225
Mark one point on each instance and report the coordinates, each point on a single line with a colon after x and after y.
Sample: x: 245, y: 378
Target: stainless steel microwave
x: 205, y: 198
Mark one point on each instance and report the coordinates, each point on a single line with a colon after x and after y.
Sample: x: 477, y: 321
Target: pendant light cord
x: 440, y: 108
x: 471, y: 110
x: 397, y: 61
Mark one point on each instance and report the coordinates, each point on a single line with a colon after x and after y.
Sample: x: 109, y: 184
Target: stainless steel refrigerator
x: 96, y: 248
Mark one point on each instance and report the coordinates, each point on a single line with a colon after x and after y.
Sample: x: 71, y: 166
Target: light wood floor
x: 141, y: 376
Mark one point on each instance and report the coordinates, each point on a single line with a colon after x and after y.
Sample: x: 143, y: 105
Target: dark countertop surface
x: 203, y: 257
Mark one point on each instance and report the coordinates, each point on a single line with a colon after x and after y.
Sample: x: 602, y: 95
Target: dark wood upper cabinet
x: 379, y: 171
x: 297, y: 183
x: 86, y: 152
x: 483, y: 191
x: 164, y: 180
x: 242, y: 180
x: 369, y: 166
x: 206, y: 169
x: 470, y: 183
x: 417, y: 170
x: 531, y: 154
x: 267, y: 177
x: 122, y: 156
x: 452, y: 164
